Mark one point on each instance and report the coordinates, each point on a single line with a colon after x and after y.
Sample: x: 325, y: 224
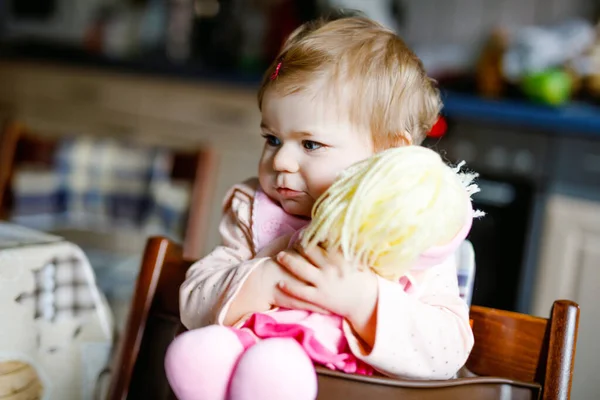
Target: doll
x: 392, y: 208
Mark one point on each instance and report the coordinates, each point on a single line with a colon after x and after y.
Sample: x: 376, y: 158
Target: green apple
x: 552, y: 86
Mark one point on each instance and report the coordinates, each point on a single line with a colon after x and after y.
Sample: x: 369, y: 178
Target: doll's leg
x: 274, y: 369
x: 199, y: 363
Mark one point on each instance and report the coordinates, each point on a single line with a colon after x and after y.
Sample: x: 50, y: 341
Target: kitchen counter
x: 574, y: 118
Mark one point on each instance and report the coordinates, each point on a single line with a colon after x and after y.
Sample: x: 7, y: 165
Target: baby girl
x: 339, y: 92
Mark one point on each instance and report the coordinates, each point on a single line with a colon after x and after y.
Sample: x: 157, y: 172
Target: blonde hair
x: 385, y: 211
x: 355, y: 58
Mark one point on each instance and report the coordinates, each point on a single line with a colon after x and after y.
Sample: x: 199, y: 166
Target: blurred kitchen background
x: 124, y: 119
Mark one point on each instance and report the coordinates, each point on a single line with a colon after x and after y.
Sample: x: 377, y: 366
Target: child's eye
x: 272, y: 140
x: 310, y: 145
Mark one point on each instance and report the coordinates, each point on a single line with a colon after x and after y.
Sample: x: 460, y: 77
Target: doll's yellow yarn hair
x: 388, y: 209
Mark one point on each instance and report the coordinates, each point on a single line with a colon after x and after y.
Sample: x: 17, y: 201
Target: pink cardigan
x: 422, y: 331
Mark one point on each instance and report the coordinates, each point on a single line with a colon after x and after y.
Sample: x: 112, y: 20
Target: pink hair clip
x: 276, y: 72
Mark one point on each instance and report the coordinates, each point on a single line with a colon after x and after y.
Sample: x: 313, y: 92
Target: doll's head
x: 387, y: 210
x: 338, y: 92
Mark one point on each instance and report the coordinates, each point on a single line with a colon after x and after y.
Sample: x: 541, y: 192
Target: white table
x: 56, y: 331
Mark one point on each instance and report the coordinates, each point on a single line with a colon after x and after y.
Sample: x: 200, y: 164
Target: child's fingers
x: 316, y: 255
x: 298, y: 266
x: 299, y: 290
x: 284, y: 299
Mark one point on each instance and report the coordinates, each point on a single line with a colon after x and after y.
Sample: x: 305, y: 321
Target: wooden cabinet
x: 160, y: 111
x: 569, y: 268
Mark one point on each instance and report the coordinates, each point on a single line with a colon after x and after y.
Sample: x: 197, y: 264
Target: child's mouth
x: 288, y: 193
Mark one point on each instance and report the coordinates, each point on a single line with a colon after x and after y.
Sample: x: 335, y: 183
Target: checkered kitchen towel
x: 102, y: 182
x: 62, y: 290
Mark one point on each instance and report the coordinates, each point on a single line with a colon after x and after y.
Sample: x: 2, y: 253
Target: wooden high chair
x: 515, y: 356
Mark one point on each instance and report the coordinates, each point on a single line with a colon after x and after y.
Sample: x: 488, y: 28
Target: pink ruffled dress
x: 321, y: 336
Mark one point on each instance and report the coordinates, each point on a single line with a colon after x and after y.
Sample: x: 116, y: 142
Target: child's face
x: 307, y: 144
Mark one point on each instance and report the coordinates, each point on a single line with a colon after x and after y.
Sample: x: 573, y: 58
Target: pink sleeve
x: 422, y: 332
x: 212, y: 283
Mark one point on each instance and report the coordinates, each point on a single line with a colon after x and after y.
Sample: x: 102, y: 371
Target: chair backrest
x: 19, y: 146
x: 507, y: 345
x: 153, y: 322
x: 13, y: 143
x: 527, y: 348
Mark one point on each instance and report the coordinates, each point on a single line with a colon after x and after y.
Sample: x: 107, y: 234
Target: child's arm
x: 231, y: 281
x: 421, y: 335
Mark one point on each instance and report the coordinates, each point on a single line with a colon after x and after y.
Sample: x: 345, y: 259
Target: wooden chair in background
x: 515, y: 356
x: 20, y: 146
x: 17, y: 148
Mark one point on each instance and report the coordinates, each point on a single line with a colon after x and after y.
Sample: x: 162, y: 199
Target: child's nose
x: 284, y: 161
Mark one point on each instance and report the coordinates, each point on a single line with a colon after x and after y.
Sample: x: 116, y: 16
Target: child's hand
x: 272, y: 274
x: 329, y: 281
